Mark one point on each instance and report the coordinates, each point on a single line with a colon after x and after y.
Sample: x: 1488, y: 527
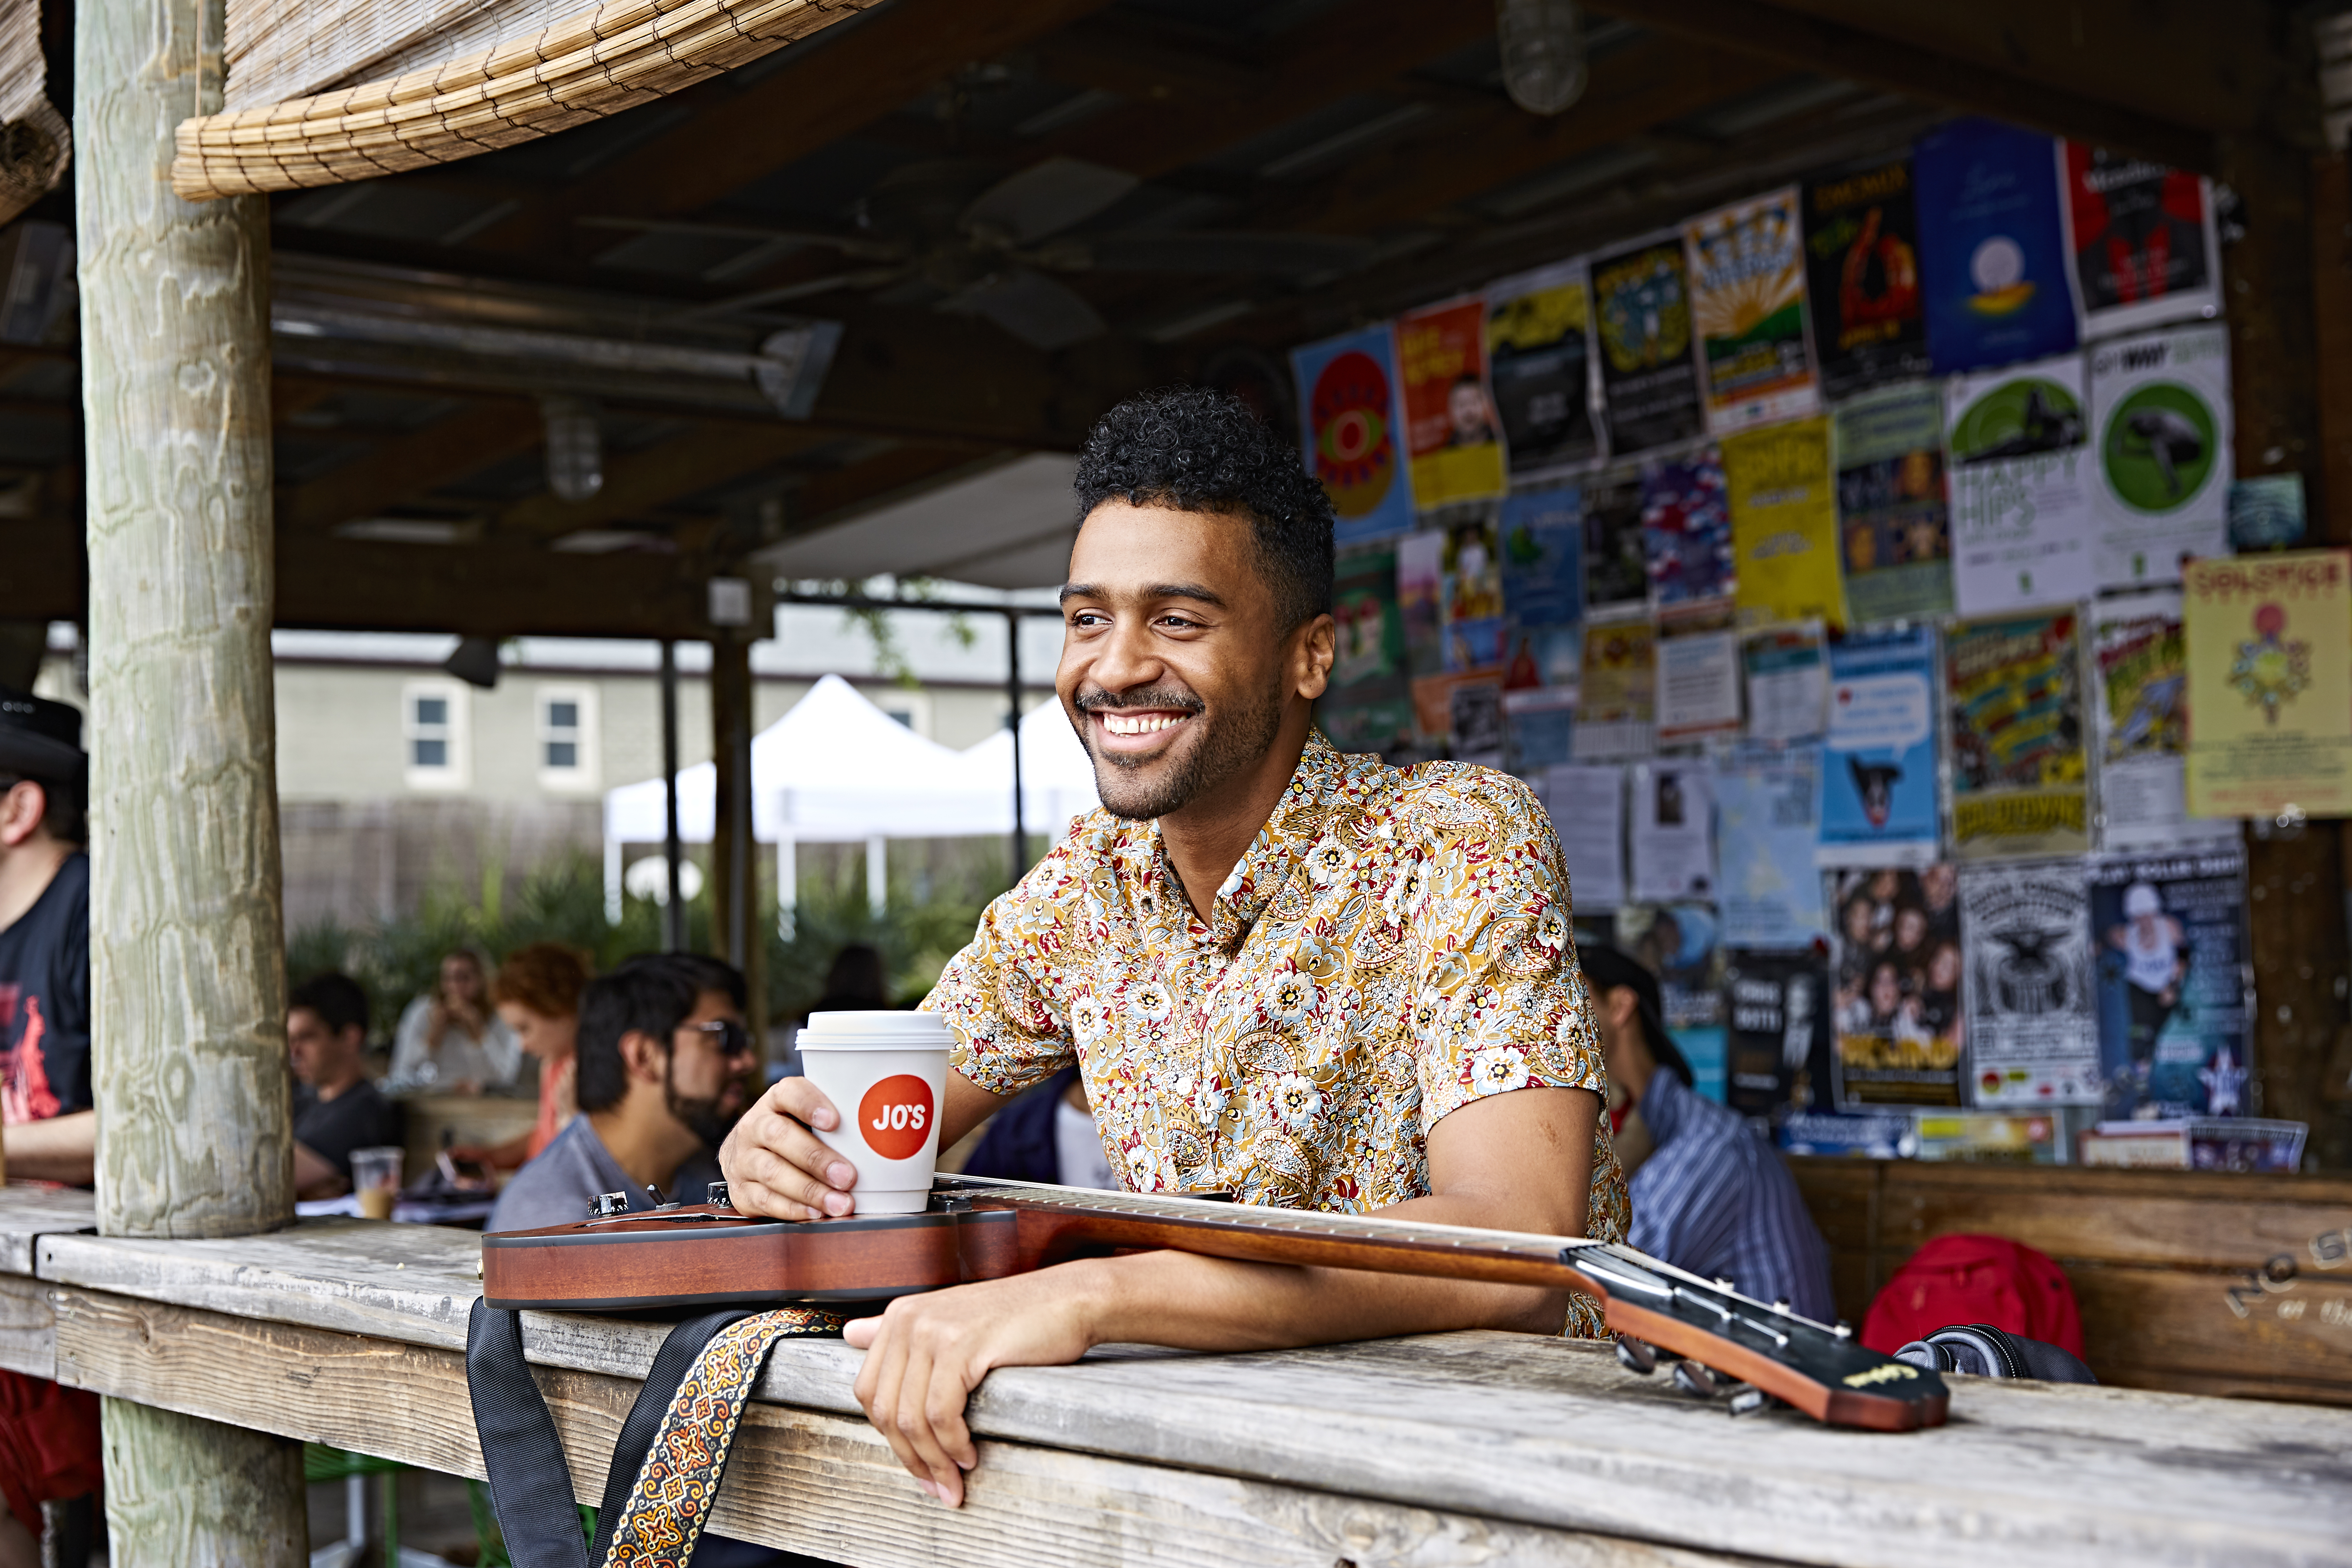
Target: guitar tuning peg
x: 1696, y: 1381
x: 1754, y: 1402
x: 1724, y: 1282
x: 1843, y: 1330
x: 1635, y: 1356
x: 1780, y: 1303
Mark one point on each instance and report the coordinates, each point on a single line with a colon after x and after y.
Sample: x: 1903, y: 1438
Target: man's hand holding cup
x: 796, y: 1156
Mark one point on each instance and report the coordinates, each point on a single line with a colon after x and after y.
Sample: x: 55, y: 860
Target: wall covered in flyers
x: 2169, y: 931
x: 1352, y: 424
x: 2021, y: 772
x: 1368, y: 704
x: 1642, y: 316
x: 1862, y: 271
x: 1747, y: 268
x: 2033, y: 1032
x: 1539, y: 357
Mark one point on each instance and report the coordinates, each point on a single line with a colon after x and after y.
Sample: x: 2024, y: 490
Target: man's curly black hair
x: 1200, y: 450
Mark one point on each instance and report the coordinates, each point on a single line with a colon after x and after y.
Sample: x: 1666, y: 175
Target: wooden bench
x: 2189, y: 1281
x: 1446, y: 1449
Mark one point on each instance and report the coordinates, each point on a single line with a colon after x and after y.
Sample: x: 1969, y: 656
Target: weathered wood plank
x: 28, y: 1212
x: 816, y: 1483
x: 28, y: 1329
x: 2141, y: 1326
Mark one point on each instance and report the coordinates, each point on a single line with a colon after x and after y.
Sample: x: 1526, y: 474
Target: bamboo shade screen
x: 584, y: 67
x: 34, y: 139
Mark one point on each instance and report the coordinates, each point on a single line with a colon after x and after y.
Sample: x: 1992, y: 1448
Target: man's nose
x: 1124, y: 659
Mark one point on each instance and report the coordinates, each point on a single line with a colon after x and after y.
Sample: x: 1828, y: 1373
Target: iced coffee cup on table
x: 885, y: 1074
x: 375, y: 1177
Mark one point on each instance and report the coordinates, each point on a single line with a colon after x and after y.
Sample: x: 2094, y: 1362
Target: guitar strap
x: 671, y: 1454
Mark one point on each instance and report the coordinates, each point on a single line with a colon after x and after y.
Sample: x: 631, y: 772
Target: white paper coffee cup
x: 886, y: 1076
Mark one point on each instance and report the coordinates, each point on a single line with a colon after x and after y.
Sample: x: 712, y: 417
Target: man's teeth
x: 1139, y: 723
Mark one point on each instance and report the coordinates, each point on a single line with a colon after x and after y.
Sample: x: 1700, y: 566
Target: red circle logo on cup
x: 894, y: 1117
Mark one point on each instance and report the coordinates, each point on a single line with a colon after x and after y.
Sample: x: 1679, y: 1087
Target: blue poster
x: 1348, y: 414
x: 2170, y: 936
x: 1543, y: 590
x: 1686, y: 529
x: 1767, y: 829
x: 1878, y: 767
x: 1992, y: 252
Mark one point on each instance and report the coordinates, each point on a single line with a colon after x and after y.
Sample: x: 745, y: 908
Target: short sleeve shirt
x: 45, y: 1001
x: 1394, y: 945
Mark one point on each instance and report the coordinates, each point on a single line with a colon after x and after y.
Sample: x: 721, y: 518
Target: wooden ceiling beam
x: 2223, y: 69
x: 410, y: 466
x: 1480, y: 146
x: 1837, y: 48
x: 641, y: 483
x: 489, y: 589
x: 1120, y: 55
x: 1323, y: 62
x: 825, y: 498
x: 874, y: 66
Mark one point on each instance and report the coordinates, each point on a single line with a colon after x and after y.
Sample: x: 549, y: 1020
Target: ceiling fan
x: 949, y: 232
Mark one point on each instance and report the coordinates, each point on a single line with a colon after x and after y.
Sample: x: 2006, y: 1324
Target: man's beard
x: 707, y: 1118
x: 1229, y: 746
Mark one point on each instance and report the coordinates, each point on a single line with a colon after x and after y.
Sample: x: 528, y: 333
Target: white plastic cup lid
x: 876, y: 1031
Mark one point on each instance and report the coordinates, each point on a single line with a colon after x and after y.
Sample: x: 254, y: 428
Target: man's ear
x: 22, y: 807
x: 355, y: 1037
x: 643, y: 1057
x: 1623, y: 1002
x: 1318, y: 646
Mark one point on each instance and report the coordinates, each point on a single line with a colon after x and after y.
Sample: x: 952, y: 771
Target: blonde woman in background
x: 449, y: 1040
x: 537, y: 993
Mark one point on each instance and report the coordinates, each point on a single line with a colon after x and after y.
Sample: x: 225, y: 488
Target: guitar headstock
x: 1822, y: 1371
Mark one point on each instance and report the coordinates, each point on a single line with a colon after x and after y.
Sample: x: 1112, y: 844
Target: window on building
x: 433, y: 734
x: 567, y: 737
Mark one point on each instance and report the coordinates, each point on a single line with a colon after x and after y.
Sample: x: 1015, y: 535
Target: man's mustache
x: 1100, y: 700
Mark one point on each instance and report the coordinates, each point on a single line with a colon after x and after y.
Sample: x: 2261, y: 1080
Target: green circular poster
x: 2018, y: 418
x: 2159, y: 447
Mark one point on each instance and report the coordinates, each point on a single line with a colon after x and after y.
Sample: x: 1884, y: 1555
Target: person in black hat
x: 48, y: 1435
x: 1708, y: 1193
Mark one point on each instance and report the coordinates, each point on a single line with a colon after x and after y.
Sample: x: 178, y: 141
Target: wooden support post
x: 734, y: 863
x: 188, y: 959
x: 2295, y: 871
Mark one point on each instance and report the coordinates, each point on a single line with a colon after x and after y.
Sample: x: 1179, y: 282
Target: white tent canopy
x: 838, y: 769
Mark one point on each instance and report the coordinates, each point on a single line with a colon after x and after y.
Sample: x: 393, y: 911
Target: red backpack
x: 1975, y: 1279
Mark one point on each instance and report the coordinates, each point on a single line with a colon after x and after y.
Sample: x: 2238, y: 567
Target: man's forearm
x: 62, y: 1149
x: 1190, y: 1302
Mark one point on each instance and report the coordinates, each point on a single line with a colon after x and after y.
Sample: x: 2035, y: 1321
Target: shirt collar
x: 1281, y: 845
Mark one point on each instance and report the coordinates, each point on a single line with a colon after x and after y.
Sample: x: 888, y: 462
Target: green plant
x: 933, y: 904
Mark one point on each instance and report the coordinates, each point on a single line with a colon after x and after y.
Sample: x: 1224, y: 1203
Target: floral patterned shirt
x: 1394, y: 945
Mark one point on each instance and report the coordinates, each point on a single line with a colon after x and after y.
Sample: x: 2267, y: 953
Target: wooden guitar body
x: 707, y: 1255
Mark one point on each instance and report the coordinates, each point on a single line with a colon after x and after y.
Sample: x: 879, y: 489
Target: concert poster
x: 1354, y: 432
x: 1777, y: 1026
x: 2270, y: 691
x: 1747, y: 268
x: 2142, y: 238
x: 1677, y: 942
x: 1686, y: 529
x: 1862, y: 269
x: 1673, y: 829
x: 1616, y: 569
x: 2034, y: 1036
x: 1452, y: 433
x: 1420, y: 589
x: 1698, y: 685
x: 1367, y: 707
x: 1878, y: 763
x: 1474, y: 720
x: 1641, y: 316
x: 1894, y: 531
x: 2020, y: 735
x: 1470, y: 588
x: 2141, y: 700
x: 1587, y: 806
x: 2168, y: 931
x: 1539, y: 357
x: 1768, y: 807
x: 1543, y: 606
x: 2022, y: 512
x: 1898, y: 975
x: 1784, y: 524
x: 1992, y: 251
x: 2160, y: 411
x: 1617, y: 691
x: 1787, y: 683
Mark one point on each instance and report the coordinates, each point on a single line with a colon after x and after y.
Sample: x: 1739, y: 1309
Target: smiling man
x: 1309, y: 979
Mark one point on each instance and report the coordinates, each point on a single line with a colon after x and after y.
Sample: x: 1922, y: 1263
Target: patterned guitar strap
x: 672, y: 1452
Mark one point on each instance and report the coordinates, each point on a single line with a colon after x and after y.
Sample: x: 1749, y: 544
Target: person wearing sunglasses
x: 665, y: 1068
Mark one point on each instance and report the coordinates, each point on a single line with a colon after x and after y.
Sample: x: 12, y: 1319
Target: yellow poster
x: 2269, y: 645
x: 1784, y: 532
